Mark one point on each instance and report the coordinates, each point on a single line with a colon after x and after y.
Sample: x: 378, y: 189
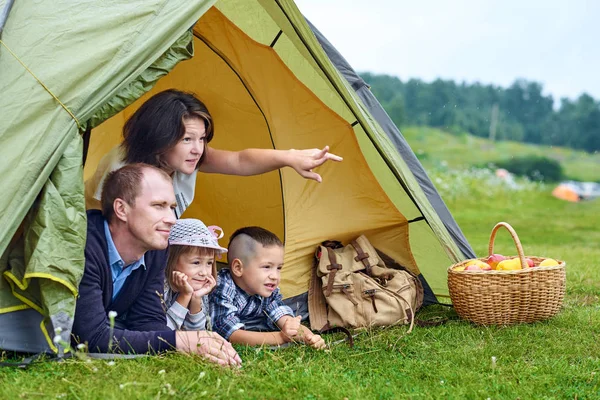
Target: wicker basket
x: 508, y: 297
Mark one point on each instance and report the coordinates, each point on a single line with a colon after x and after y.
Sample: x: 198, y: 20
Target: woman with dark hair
x: 171, y: 130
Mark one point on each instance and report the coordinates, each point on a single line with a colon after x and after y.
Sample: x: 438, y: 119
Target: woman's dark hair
x: 157, y: 126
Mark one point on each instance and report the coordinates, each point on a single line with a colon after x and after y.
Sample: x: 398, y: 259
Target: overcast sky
x: 554, y: 42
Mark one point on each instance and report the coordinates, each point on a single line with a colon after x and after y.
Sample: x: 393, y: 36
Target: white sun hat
x: 193, y: 232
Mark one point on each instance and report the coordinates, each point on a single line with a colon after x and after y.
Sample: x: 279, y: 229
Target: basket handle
x: 515, y: 238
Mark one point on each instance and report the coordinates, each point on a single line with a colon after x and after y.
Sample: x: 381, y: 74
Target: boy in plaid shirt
x: 246, y: 306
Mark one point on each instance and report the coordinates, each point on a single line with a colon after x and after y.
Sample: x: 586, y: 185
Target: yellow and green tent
x: 71, y: 73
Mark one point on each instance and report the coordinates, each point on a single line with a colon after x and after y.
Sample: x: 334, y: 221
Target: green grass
x: 555, y: 359
x: 435, y: 147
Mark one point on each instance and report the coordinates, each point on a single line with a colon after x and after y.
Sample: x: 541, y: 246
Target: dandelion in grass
x: 494, y: 361
x: 168, y: 390
x: 81, y: 352
x: 161, y: 372
x: 110, y: 363
x: 124, y: 385
x: 59, y: 342
x: 201, y: 375
x: 111, y: 320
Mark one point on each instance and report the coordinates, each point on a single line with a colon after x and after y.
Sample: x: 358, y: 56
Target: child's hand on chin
x: 180, y: 283
x: 206, y: 288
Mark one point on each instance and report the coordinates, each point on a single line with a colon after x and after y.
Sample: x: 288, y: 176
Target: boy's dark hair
x: 124, y: 183
x: 243, y: 244
x: 158, y: 125
x: 258, y: 234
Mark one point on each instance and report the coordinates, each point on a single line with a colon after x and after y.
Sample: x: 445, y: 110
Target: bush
x: 536, y: 168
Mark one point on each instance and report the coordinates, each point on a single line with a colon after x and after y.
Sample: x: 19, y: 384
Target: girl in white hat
x: 191, y: 273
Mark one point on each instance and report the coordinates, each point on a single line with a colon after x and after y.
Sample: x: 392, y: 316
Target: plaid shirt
x: 230, y: 306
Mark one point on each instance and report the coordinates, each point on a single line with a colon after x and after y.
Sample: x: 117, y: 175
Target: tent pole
x: 4, y: 15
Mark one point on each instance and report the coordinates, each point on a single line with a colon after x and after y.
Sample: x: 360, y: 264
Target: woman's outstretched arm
x: 258, y: 161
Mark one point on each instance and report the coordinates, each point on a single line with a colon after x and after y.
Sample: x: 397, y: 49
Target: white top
x: 180, y: 318
x: 184, y: 185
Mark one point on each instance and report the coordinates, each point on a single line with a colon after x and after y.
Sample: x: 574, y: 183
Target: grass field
x: 436, y: 148
x: 555, y: 359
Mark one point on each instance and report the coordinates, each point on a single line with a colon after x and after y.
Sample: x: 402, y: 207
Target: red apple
x: 494, y: 259
x: 530, y: 262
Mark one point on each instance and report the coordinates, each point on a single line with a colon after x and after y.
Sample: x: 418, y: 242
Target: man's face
x: 262, y: 273
x: 150, y: 219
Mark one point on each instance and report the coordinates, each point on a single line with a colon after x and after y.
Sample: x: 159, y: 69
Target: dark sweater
x: 138, y: 304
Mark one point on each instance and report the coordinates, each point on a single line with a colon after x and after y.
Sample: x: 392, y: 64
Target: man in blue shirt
x: 119, y: 270
x: 125, y: 258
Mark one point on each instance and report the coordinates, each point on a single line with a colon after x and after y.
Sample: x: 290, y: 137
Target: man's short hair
x: 124, y: 183
x: 248, y: 237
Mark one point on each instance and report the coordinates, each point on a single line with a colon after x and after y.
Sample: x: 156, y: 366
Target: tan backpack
x: 351, y: 287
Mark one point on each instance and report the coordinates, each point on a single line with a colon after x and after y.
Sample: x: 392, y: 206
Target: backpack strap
x: 334, y: 267
x: 338, y: 329
x: 317, y: 307
x: 361, y: 256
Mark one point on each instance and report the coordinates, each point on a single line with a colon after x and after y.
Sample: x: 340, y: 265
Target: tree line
x: 520, y: 112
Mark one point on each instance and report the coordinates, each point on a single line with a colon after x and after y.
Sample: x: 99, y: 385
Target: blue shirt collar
x: 114, y: 258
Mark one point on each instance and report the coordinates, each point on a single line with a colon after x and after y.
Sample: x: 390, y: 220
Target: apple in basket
x: 494, y: 259
x: 530, y: 262
x: 477, y: 265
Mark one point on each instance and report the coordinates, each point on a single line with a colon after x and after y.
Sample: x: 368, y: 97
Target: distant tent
x: 576, y: 191
x: 267, y: 82
x: 566, y: 192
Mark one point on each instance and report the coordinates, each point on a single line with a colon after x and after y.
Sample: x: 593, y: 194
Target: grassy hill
x: 435, y: 147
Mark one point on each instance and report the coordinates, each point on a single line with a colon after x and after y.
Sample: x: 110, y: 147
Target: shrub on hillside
x: 478, y: 184
x: 536, y: 168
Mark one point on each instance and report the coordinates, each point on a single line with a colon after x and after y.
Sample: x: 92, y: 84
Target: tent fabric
x: 265, y: 89
x: 20, y: 331
x: 413, y: 163
x: 4, y: 14
x: 268, y: 84
x: 71, y: 71
x: 181, y: 50
x: 566, y: 192
x: 45, y: 265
